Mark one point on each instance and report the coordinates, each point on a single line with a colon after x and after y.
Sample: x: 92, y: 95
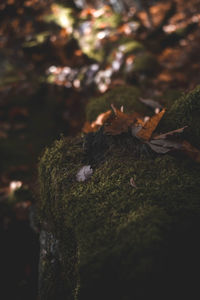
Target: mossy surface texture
x: 126, y: 96
x: 185, y: 112
x: 117, y: 241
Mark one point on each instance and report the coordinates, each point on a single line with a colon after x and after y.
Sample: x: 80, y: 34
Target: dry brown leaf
x: 164, y: 145
x: 121, y: 122
x: 191, y: 151
x: 137, y: 126
x: 147, y: 130
x: 170, y: 133
x: 88, y: 128
x: 100, y: 120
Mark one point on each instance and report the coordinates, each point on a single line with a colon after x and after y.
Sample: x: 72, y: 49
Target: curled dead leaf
x: 164, y: 146
x: 170, y: 133
x: 132, y: 183
x: 100, y: 120
x: 149, y: 127
x: 121, y: 122
x: 165, y: 142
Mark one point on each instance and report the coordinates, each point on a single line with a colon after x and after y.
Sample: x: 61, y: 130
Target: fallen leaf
x: 137, y: 126
x: 164, y: 143
x: 102, y: 118
x: 88, y: 128
x: 132, y: 183
x: 147, y: 130
x: 164, y: 146
x: 170, y: 133
x: 95, y: 125
x: 121, y: 122
x: 151, y: 103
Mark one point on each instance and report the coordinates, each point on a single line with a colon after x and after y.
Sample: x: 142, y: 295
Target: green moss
x: 37, y: 39
x: 90, y: 43
x: 132, y: 46
x: 184, y: 112
x: 117, y: 241
x: 114, y: 238
x: 112, y: 21
x: 145, y: 63
x: 169, y: 97
x: 62, y: 16
x: 90, y: 46
x: 128, y: 96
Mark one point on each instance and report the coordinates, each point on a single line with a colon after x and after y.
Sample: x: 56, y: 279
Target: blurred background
x: 54, y: 56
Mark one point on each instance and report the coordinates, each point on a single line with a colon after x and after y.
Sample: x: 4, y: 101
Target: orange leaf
x: 120, y: 123
x: 100, y: 120
x: 88, y: 128
x: 147, y: 130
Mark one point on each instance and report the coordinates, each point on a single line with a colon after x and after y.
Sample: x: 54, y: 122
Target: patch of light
x: 77, y: 83
x: 147, y: 118
x: 94, y: 67
x: 62, y: 16
x: 15, y: 185
x: 98, y: 13
x: 119, y: 55
x: 116, y: 65
x: 134, y: 26
x: 157, y: 110
x: 107, y: 73
x: 103, y: 87
x: 196, y: 18
x: 169, y: 28
x: 122, y: 48
x: 63, y: 21
x: 101, y: 35
x: 66, y: 70
x: 61, y: 77
x: 127, y: 30
x: 52, y: 69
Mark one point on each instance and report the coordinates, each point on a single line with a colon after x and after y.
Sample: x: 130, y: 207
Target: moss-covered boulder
x: 185, y: 112
x: 130, y: 230
x: 126, y: 96
x: 146, y: 63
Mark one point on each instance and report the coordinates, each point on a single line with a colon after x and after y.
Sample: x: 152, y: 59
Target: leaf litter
x: 118, y: 122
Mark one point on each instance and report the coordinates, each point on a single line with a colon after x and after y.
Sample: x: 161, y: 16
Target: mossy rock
x: 117, y: 240
x: 132, y: 46
x: 146, y: 63
x: 169, y: 97
x: 185, y: 112
x: 127, y: 96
